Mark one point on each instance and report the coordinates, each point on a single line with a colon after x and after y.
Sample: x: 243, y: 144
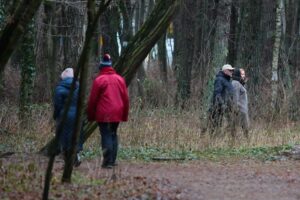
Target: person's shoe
x: 107, y: 166
x: 115, y: 164
x: 77, y: 160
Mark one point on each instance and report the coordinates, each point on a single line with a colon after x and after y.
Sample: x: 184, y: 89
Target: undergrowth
x: 157, y: 154
x: 152, y: 134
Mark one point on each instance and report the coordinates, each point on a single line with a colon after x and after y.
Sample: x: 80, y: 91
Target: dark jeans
x: 109, y: 142
x: 215, y: 121
x: 65, y: 136
x: 215, y: 118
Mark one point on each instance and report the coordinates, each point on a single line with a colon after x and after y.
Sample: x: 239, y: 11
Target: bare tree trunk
x: 5, y: 11
x: 220, y: 52
x: 162, y: 57
x: 232, y: 34
x: 277, y: 41
x: 220, y: 44
x: 14, y: 29
x: 110, y: 23
x: 184, y: 25
x: 74, y: 23
x: 250, y: 42
x: 204, y: 32
x: 28, y: 72
x: 292, y: 49
x: 46, y: 45
x: 141, y: 74
x: 126, y: 11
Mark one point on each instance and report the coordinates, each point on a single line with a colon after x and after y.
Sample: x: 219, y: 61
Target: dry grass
x: 182, y: 130
x: 163, y: 128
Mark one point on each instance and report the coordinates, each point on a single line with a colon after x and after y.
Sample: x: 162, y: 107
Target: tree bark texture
x: 277, y: 41
x: 28, y: 72
x: 219, y: 46
x: 184, y: 49
x: 141, y: 74
x: 15, y: 28
x: 110, y: 22
x: 126, y: 9
x: 249, y: 45
x: 162, y: 58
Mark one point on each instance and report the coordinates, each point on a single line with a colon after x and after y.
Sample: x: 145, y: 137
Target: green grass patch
x: 154, y: 153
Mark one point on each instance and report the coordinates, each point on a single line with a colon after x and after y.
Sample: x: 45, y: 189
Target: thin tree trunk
x: 277, y: 41
x: 141, y: 74
x: 232, y: 35
x: 126, y: 34
x: 285, y: 54
x: 162, y: 57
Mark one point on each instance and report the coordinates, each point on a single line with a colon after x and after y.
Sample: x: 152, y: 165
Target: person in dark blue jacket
x: 222, y: 100
x: 62, y: 91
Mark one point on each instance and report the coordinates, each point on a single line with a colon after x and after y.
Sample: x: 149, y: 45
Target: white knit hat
x: 67, y: 73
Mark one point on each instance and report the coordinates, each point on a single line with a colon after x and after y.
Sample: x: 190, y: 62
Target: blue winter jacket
x: 62, y: 91
x: 223, y: 91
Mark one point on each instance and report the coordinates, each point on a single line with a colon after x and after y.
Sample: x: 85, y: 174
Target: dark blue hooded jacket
x: 62, y: 91
x: 223, y: 90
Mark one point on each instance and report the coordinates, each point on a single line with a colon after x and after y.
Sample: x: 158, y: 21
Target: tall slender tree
x: 275, y: 59
x: 162, y: 57
x: 28, y: 72
x: 141, y: 74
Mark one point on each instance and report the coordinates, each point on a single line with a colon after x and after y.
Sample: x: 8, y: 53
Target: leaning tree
x: 134, y: 54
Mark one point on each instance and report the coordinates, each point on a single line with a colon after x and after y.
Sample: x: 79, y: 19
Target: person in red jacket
x: 108, y: 105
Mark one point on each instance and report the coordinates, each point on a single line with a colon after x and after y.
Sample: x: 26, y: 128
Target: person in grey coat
x: 240, y: 100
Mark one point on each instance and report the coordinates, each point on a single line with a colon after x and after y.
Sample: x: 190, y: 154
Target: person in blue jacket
x: 222, y: 100
x: 62, y: 91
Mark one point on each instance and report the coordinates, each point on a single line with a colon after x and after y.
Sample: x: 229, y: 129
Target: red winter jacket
x: 108, y: 101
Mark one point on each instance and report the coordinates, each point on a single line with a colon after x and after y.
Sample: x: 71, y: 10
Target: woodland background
x: 261, y: 36
x: 170, y: 80
x: 176, y: 78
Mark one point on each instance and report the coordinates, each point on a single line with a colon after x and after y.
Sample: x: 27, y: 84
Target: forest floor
x: 22, y: 176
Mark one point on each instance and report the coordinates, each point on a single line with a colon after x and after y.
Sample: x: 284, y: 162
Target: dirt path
x: 225, y: 180
x: 191, y: 180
